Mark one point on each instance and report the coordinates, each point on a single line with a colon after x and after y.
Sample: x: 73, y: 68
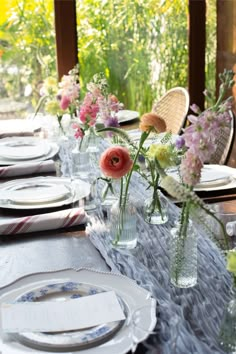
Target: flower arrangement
x: 64, y: 98
x: 199, y: 142
x: 97, y: 107
x: 60, y: 98
x: 116, y: 162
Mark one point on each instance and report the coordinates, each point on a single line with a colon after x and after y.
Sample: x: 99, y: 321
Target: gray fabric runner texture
x: 188, y: 319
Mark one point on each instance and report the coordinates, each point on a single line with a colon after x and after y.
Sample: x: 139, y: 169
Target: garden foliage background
x: 140, y: 45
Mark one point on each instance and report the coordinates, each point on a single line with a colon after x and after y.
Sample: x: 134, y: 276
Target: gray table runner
x: 188, y: 319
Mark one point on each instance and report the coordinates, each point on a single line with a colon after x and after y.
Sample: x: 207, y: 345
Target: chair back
x: 224, y: 143
x: 173, y: 108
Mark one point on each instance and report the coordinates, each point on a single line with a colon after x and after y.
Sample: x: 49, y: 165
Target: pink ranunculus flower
x: 65, y: 102
x: 115, y: 162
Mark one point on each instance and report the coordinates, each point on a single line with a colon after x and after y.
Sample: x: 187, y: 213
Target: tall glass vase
x: 83, y: 170
x: 123, y: 222
x: 183, y: 255
x: 227, y: 335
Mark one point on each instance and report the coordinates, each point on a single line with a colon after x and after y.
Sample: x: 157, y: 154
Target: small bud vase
x: 183, y: 255
x: 123, y: 222
x: 227, y: 336
x: 155, y: 209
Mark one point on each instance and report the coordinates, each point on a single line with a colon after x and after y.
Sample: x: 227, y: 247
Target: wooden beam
x: 197, y: 46
x: 66, y: 35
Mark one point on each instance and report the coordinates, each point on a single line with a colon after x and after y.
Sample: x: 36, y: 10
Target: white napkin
x: 72, y: 314
x: 27, y: 168
x: 50, y: 221
x: 16, y: 127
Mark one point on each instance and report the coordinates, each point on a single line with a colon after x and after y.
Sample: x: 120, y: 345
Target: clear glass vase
x: 80, y: 160
x: 123, y: 221
x: 155, y: 209
x: 83, y: 170
x: 183, y: 255
x: 227, y: 335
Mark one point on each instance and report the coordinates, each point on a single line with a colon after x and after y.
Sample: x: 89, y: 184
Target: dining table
x: 188, y: 320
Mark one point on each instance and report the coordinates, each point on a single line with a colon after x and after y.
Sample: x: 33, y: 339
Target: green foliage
x: 27, y: 41
x: 140, y: 45
x: 211, y: 46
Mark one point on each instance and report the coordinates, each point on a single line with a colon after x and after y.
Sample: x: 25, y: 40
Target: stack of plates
x: 41, y: 192
x: 18, y: 150
x: 113, y: 337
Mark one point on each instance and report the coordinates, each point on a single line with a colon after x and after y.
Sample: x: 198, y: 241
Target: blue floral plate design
x: 69, y: 340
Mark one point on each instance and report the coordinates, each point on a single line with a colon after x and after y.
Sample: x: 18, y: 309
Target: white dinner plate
x: 72, y: 339
x: 132, y: 295
x: 135, y: 135
x: 18, y: 149
x: 214, y: 178
x: 47, y: 150
x: 126, y: 115
x: 41, y: 192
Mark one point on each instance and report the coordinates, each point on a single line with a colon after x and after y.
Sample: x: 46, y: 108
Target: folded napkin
x: 16, y: 127
x: 27, y: 168
x: 51, y: 221
x: 231, y: 228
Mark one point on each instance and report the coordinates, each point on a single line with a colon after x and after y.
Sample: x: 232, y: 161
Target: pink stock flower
x: 190, y: 169
x: 65, y: 102
x: 79, y: 133
x: 115, y: 162
x: 88, y: 113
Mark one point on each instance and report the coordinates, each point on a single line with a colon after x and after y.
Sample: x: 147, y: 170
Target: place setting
x: 20, y: 150
x: 93, y: 311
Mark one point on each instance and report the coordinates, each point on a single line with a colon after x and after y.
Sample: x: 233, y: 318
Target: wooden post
x: 66, y: 35
x: 197, y: 45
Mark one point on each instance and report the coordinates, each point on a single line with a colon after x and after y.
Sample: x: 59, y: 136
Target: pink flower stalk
x: 94, y: 89
x: 65, y: 102
x: 79, y: 133
x: 88, y: 113
x: 190, y: 169
x: 115, y: 162
x: 200, y: 139
x: 69, y: 88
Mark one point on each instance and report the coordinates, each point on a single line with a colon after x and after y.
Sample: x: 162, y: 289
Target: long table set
x: 53, y: 251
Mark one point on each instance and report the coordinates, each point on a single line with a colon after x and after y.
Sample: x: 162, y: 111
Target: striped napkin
x: 42, y: 222
x: 27, y: 168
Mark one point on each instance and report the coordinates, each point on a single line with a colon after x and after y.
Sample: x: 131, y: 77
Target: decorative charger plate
x: 17, y: 150
x: 41, y: 192
x: 69, y: 340
x: 132, y: 296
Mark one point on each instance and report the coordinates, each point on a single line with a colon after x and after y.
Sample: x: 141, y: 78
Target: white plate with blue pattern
x: 132, y: 296
x: 68, y: 340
